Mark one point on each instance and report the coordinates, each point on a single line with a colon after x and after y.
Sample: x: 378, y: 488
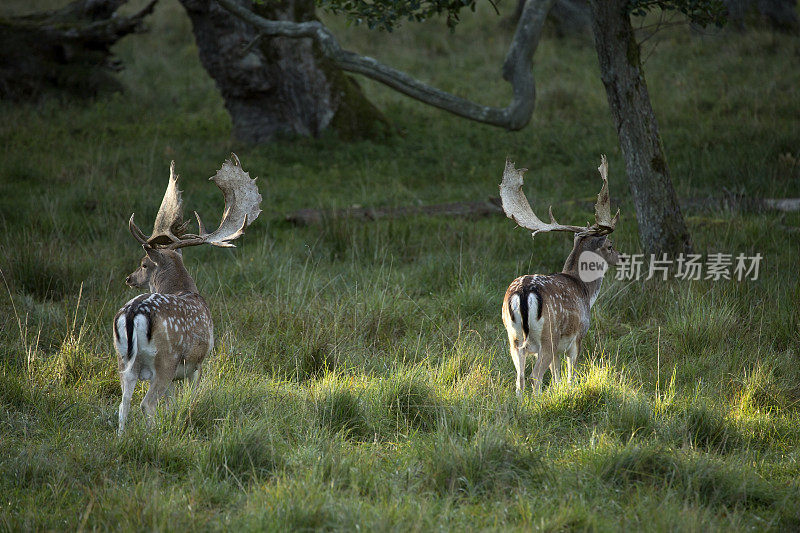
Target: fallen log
x: 742, y: 203
x: 306, y: 217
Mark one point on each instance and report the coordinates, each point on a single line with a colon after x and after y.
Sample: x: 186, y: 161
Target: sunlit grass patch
x: 584, y: 400
x: 76, y: 364
x: 412, y: 403
x: 762, y: 390
x: 768, y: 433
x: 467, y: 367
x: 465, y: 418
x: 31, y: 407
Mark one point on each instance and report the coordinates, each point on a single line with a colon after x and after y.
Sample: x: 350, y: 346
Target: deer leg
x: 548, y: 355
x: 518, y: 356
x: 128, y: 382
x: 159, y: 385
x: 572, y: 356
x: 555, y: 367
x: 169, y: 394
x: 542, y: 362
x: 198, y: 372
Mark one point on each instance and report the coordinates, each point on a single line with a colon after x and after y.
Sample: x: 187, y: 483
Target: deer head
x: 587, y: 238
x: 162, y: 268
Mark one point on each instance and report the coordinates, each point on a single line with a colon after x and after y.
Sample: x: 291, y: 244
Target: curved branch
x: 516, y: 67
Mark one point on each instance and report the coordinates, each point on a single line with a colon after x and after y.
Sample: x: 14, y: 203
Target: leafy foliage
x: 387, y: 14
x: 702, y: 12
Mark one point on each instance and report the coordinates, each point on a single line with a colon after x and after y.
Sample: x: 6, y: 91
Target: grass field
x: 361, y: 377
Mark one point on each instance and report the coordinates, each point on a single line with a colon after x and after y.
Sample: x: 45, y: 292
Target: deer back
x: 174, y: 327
x: 555, y: 306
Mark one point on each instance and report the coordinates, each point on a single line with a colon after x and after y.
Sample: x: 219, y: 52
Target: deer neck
x: 589, y: 289
x: 172, y: 278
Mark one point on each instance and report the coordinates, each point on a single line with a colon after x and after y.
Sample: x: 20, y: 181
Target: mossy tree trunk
x: 661, y: 224
x: 67, y: 50
x: 275, y: 86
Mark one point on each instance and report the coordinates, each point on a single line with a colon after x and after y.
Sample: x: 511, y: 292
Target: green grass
x: 361, y: 375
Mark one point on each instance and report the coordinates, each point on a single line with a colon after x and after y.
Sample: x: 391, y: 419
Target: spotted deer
x: 165, y: 335
x: 549, y: 314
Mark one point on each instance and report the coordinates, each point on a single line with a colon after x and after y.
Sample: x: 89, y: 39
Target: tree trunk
x: 275, y: 86
x: 661, y: 224
x: 568, y: 17
x: 64, y: 50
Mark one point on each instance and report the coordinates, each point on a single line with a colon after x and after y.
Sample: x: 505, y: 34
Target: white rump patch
x: 121, y: 339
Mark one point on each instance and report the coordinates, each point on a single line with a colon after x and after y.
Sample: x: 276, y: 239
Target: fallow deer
x: 166, y: 334
x: 549, y: 314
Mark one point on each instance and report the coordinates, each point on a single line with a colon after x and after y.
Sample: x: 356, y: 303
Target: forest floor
x: 361, y: 376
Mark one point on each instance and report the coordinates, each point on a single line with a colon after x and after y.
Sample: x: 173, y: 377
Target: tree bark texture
x: 67, y: 50
x: 661, y: 224
x: 568, y: 17
x: 276, y: 86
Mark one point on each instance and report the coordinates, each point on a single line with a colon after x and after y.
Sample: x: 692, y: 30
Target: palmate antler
x: 242, y: 202
x: 517, y: 208
x: 169, y: 224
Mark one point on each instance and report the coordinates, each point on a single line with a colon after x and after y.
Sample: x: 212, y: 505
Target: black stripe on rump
x: 116, y: 332
x: 527, y: 289
x: 523, y: 309
x: 535, y: 290
x: 136, y: 308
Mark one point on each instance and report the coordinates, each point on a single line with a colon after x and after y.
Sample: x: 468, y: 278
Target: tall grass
x: 361, y: 377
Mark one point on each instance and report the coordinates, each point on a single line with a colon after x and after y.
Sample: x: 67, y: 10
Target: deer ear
x: 152, y: 253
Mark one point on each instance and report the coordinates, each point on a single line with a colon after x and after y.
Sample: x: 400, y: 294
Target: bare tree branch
x: 516, y: 67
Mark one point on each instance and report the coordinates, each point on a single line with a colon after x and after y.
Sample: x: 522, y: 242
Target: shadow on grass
x: 700, y: 477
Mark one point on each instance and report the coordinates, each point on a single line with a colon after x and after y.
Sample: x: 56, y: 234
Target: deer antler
x: 169, y: 225
x: 241, y: 208
x: 602, y: 208
x: 518, y: 209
